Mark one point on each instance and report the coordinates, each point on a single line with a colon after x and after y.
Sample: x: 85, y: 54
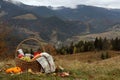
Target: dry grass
x: 84, y: 67
x: 90, y: 66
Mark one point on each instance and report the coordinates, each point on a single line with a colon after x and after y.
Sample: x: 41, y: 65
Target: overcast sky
x: 73, y: 3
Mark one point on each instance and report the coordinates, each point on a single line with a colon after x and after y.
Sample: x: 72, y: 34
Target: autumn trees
x: 97, y: 45
x: 4, y: 31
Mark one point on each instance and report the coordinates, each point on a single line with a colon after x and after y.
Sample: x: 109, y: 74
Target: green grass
x: 108, y: 69
x: 29, y: 76
x: 86, y: 72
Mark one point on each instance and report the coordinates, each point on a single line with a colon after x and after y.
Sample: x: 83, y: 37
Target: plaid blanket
x: 47, y: 63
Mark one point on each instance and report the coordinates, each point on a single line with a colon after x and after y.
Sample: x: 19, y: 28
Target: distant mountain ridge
x: 11, y: 9
x: 58, y: 25
x: 90, y: 15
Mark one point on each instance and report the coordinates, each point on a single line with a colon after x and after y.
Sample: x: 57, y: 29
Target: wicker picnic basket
x: 24, y: 65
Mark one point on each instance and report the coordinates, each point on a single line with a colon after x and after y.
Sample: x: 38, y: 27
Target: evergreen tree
x: 100, y: 44
x: 119, y: 44
x: 115, y: 44
x: 91, y: 46
x: 96, y: 43
x: 80, y: 46
x: 85, y: 46
x: 106, y: 44
x: 71, y: 48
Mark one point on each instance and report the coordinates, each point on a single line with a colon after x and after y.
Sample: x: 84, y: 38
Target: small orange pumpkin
x: 9, y: 70
x: 14, y: 70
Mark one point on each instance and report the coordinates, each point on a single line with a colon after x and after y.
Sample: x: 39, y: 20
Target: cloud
x: 73, y: 3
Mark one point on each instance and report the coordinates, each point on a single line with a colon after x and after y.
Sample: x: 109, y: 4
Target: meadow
x: 80, y: 66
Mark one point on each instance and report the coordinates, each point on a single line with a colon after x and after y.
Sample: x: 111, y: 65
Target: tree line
x: 96, y: 45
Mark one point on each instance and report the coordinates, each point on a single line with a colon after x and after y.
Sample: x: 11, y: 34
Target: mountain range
x: 60, y: 24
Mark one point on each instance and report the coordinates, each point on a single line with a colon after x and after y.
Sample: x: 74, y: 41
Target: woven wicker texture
x: 24, y: 65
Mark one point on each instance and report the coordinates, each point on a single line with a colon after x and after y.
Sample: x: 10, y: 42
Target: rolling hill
x: 61, y: 24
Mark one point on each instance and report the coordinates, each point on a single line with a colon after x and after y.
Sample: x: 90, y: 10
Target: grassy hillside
x: 76, y: 65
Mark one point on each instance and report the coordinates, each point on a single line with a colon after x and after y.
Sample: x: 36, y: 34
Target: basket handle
x: 28, y: 40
